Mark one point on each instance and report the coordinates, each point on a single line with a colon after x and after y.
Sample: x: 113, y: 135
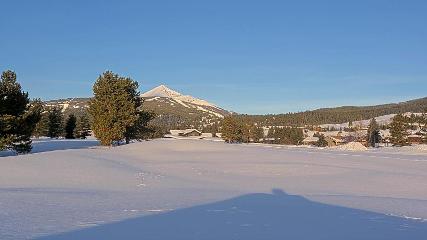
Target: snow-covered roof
x: 185, y: 131
x: 191, y: 130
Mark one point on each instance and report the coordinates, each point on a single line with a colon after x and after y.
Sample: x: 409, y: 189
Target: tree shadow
x: 258, y: 216
x: 48, y: 145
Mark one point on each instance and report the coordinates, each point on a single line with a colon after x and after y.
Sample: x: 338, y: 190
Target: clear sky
x: 246, y: 56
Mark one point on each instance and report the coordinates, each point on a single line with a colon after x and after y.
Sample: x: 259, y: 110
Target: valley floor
x: 199, y: 189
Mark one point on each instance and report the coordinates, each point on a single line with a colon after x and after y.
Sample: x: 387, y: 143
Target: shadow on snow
x: 258, y: 216
x: 47, y: 145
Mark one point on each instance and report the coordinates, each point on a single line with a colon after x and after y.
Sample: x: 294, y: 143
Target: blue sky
x: 246, y: 56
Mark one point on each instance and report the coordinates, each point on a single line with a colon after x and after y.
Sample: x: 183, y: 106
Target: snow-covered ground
x: 200, y: 189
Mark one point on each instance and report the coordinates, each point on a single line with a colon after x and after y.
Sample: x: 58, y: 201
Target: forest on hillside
x: 337, y: 115
x: 178, y: 117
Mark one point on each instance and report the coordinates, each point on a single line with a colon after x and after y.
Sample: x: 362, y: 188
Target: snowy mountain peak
x: 161, y: 91
x: 164, y: 91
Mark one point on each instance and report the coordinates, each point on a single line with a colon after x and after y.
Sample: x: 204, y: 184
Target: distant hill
x: 339, y: 114
x: 173, y: 109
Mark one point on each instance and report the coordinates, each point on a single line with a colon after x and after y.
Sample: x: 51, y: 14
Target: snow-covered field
x: 199, y: 189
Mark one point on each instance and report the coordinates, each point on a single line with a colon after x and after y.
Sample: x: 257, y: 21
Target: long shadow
x: 48, y: 145
x: 258, y: 216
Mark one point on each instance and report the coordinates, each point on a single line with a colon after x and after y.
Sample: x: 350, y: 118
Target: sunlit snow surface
x: 199, y: 189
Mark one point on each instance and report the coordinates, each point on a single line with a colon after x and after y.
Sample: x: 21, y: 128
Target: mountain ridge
x: 176, y: 110
x: 173, y: 109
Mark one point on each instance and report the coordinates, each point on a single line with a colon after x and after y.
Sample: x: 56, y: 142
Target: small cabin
x: 186, y: 133
x: 190, y: 133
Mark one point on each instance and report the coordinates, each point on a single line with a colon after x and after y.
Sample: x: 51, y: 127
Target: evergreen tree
x: 83, y: 127
x: 18, y: 117
x: 398, y: 131
x: 244, y: 131
x: 214, y: 130
x: 321, y: 142
x: 256, y: 133
x: 157, y: 132
x: 373, y: 135
x: 289, y: 136
x: 42, y: 127
x: 140, y: 129
x: 270, y: 133
x: 114, y: 108
x: 232, y: 130
x: 70, y: 126
x: 55, y: 126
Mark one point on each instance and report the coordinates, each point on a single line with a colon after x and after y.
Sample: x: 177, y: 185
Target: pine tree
x: 18, y: 117
x: 373, y: 135
x: 256, y: 133
x: 214, y: 130
x: 42, y: 127
x: 114, y: 108
x: 70, y: 126
x: 270, y: 133
x: 232, y: 130
x: 244, y: 132
x: 321, y: 142
x: 140, y: 129
x: 289, y: 136
x: 55, y: 126
x: 398, y: 131
x: 83, y: 127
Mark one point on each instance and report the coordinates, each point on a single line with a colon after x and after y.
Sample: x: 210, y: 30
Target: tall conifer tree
x: 114, y: 107
x: 70, y: 126
x: 83, y: 127
x: 373, y: 135
x: 398, y: 130
x: 42, y: 127
x: 231, y: 130
x: 55, y: 125
x: 18, y: 117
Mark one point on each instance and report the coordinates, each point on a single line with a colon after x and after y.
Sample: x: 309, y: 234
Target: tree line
x: 336, y: 115
x: 401, y: 127
x: 115, y: 115
x: 236, y: 130
x: 54, y: 124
